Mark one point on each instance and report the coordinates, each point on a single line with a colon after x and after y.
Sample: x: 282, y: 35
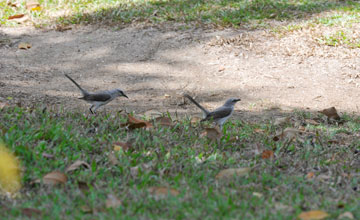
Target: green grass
x: 180, y: 158
x: 212, y: 12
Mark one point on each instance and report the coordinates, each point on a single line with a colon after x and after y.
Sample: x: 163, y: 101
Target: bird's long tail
x: 84, y: 92
x: 205, y: 111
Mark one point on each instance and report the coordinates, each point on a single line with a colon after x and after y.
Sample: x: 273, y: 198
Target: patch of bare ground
x: 156, y: 66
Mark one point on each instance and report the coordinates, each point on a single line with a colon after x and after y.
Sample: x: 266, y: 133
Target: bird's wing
x: 98, y: 97
x: 218, y: 113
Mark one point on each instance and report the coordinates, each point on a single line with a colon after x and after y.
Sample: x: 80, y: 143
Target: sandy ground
x: 155, y: 66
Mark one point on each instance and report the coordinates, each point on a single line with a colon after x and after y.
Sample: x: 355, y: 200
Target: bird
x: 219, y: 115
x: 98, y: 99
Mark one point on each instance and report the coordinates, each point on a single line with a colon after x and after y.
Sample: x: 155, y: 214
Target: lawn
x: 285, y: 166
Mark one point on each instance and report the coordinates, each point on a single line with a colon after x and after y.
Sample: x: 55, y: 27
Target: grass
x: 224, y: 13
x: 180, y: 158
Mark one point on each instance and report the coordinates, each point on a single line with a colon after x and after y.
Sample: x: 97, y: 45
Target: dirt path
x: 154, y: 67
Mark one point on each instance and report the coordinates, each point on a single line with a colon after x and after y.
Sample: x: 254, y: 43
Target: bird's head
x: 121, y: 93
x: 232, y: 101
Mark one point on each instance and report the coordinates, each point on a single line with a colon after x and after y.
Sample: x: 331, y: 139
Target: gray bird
x: 100, y: 98
x: 219, y: 115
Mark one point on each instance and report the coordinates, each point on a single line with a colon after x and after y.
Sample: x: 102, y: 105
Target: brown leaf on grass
x: 212, y: 133
x: 48, y: 156
x: 15, y: 5
x: 112, y: 201
x: 30, y: 212
x: 16, y: 16
x: 54, y: 178
x: 331, y: 113
x: 313, y: 215
x: 310, y: 175
x: 232, y: 172
x: 266, y: 154
x: 346, y: 215
x: 258, y: 130
x: 86, y: 209
x: 76, y: 165
x: 162, y: 192
x: 134, y: 123
x: 164, y: 121
x: 288, y: 133
x: 24, y: 46
x: 83, y: 186
x: 125, y: 146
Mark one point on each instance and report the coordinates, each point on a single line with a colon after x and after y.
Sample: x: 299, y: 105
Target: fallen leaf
x: 167, y: 96
x: 76, y: 165
x: 134, y: 171
x: 16, y: 16
x: 125, y: 146
x: 10, y: 172
x: 346, y: 215
x: 54, y: 178
x: 257, y: 194
x: 280, y: 121
x: 164, y: 121
x: 313, y: 215
x: 311, y: 121
x: 258, y: 130
x: 232, y: 172
x: 86, y: 209
x: 134, y: 123
x: 113, y: 160
x: 163, y: 192
x: 112, y: 201
x: 38, y: 8
x: 15, y: 5
x: 266, y: 154
x: 212, y: 133
x: 20, y: 18
x: 24, y: 46
x: 30, y: 212
x: 83, y: 186
x: 331, y: 113
x: 48, y: 156
x: 310, y: 175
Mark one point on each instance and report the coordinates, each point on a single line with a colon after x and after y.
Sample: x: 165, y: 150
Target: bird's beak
x: 125, y: 95
x: 237, y: 100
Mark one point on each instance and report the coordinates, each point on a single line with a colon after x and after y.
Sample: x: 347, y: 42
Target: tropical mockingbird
x: 219, y: 115
x: 100, y: 98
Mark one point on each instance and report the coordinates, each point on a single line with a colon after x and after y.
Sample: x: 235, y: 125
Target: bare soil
x: 154, y: 66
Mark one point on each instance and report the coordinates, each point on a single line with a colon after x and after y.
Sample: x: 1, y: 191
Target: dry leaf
x: 134, y: 123
x: 212, y: 133
x: 24, y: 46
x: 310, y: 175
x: 77, y: 164
x: 86, y: 209
x: 83, y: 186
x: 15, y: 5
x: 164, y: 121
x: 112, y: 201
x: 282, y: 120
x: 313, y: 215
x: 16, y: 16
x: 346, y: 215
x: 121, y: 145
x: 311, y: 121
x: 232, y: 172
x: 113, y: 160
x: 30, y: 212
x: 331, y: 113
x: 258, y: 130
x: 163, y: 192
x: 55, y: 177
x: 266, y: 154
x: 48, y: 156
